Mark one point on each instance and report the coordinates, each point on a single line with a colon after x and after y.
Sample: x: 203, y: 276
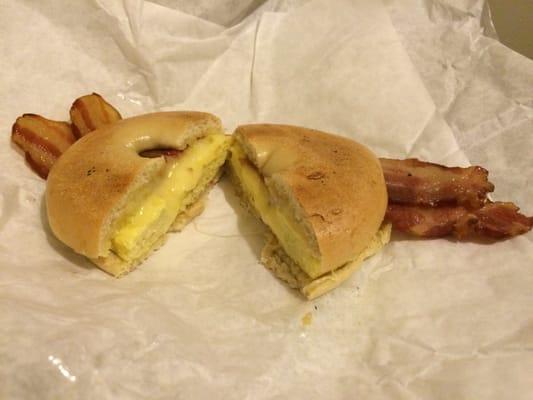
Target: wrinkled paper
x: 424, y: 319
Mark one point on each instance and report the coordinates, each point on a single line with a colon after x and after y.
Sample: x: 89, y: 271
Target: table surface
x: 513, y: 20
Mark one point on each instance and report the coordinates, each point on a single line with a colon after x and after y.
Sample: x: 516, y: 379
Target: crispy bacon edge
x: 416, y: 182
x: 498, y: 220
x: 42, y: 141
x: 90, y: 112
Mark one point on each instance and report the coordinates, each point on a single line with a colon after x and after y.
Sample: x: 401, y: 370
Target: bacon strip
x: 428, y: 222
x: 416, y: 182
x: 153, y: 153
x: 42, y: 140
x: 497, y: 220
x: 90, y: 112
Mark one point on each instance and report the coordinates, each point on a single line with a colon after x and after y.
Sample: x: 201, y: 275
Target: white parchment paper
x: 425, y: 319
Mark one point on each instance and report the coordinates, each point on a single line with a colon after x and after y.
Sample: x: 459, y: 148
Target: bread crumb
x: 307, y: 319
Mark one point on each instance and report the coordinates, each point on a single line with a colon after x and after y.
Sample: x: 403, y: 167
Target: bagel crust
x: 92, y: 182
x: 334, y: 186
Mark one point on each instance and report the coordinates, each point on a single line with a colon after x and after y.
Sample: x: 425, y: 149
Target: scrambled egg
x: 279, y: 220
x: 185, y: 180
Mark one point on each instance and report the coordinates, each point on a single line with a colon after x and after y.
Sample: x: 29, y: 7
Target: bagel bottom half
x: 322, y: 198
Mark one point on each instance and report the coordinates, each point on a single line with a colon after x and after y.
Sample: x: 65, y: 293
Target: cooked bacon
x: 90, y: 112
x: 42, y: 140
x: 416, y: 182
x: 152, y: 153
x: 494, y: 220
x: 429, y: 222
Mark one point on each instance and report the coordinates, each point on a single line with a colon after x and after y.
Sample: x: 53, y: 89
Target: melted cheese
x: 185, y: 179
x: 279, y: 220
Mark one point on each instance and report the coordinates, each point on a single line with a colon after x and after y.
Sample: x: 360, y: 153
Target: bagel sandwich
x: 115, y: 193
x: 322, y: 197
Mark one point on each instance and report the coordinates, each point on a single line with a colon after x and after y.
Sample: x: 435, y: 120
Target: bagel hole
x: 161, y: 152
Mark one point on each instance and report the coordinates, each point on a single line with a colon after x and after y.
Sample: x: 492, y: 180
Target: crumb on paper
x: 307, y: 319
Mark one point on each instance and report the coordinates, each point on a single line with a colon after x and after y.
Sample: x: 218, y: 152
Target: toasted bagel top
x: 334, y: 185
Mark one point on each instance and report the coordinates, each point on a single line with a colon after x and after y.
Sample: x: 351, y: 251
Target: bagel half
x: 114, y: 206
x: 323, y: 198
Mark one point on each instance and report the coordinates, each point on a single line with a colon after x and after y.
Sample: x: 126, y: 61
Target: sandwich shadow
x: 249, y: 227
x: 62, y: 249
